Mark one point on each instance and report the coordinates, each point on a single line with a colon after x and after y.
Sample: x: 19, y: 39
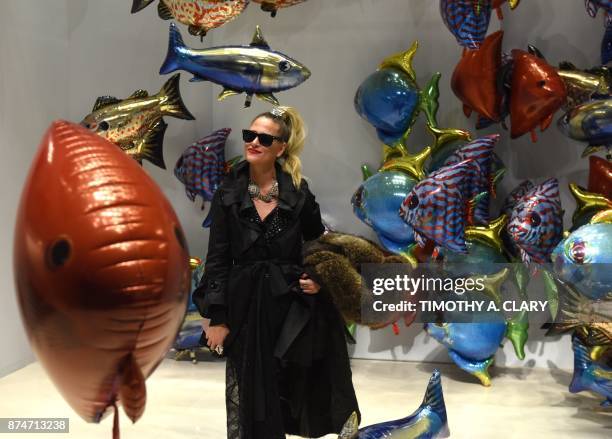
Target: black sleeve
x: 209, y: 296
x: 310, y: 216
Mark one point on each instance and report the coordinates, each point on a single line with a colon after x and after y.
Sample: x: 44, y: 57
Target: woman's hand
x: 308, y: 285
x: 215, y: 336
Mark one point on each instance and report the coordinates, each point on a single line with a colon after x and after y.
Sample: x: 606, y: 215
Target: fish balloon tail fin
x: 434, y: 397
x: 171, y: 100
x: 175, y: 44
x: 139, y: 5
x: 151, y: 146
x: 582, y: 361
x: 350, y: 429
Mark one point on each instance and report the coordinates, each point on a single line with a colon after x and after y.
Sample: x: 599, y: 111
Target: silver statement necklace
x: 255, y: 192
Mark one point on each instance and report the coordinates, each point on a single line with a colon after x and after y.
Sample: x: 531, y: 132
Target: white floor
x: 187, y: 401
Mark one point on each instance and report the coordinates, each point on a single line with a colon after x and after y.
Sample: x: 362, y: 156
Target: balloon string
x: 116, y: 421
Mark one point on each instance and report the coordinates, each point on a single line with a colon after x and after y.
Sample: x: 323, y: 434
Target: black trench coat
x: 287, y: 364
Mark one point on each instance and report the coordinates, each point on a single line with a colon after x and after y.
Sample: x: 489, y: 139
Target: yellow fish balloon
x: 135, y: 124
x: 272, y: 6
x: 200, y: 15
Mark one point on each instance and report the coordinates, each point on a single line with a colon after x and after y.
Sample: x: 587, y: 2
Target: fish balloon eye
x: 534, y: 219
x: 284, y: 66
x: 578, y: 252
x: 104, y: 126
x: 413, y: 202
x: 58, y: 253
x: 541, y: 84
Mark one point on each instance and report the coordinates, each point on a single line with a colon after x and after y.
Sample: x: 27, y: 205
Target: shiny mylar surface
x: 102, y: 270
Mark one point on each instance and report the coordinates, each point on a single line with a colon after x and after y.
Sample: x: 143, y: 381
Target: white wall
x: 59, y: 55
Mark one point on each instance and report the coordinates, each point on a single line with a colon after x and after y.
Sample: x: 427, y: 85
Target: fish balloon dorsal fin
x: 535, y: 51
x: 105, y: 101
x: 140, y: 93
x: 259, y: 40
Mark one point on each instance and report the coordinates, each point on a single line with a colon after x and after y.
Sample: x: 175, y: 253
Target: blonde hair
x: 293, y: 132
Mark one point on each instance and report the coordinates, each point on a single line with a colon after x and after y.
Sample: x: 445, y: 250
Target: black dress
x: 287, y: 367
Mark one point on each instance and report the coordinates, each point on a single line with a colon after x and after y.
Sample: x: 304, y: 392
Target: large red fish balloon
x: 600, y: 176
x: 102, y: 271
x: 474, y: 80
x: 537, y: 93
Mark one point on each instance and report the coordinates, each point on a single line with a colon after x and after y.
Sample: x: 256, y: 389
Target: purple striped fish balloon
x: 468, y: 20
x: 438, y: 206
x: 536, y: 223
x: 480, y: 151
x: 201, y: 167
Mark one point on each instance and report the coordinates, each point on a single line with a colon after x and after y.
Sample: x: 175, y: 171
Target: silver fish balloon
x: 590, y: 122
x: 254, y: 69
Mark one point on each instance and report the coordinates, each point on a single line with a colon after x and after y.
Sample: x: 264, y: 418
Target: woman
x: 287, y: 365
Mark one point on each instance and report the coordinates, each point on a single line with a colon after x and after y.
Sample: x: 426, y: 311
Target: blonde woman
x: 287, y: 369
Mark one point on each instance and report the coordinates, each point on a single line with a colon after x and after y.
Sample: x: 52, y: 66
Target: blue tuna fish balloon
x: 429, y: 421
x: 201, y: 167
x: 468, y: 20
x: 536, y: 223
x: 584, y: 259
x: 471, y: 345
x: 377, y: 202
x: 254, y: 69
x: 437, y: 208
x: 481, y: 151
x: 589, y: 375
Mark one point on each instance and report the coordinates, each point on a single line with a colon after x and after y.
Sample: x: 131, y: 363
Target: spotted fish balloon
x: 536, y: 224
x: 200, y: 15
x: 437, y: 207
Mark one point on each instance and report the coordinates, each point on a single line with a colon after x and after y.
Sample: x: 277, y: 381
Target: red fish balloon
x: 474, y: 80
x: 102, y: 271
x: 537, y: 93
x: 600, y: 176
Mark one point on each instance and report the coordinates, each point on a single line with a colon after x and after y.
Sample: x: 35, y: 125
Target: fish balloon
x: 600, y: 176
x: 200, y: 15
x: 471, y: 346
x: 536, y: 222
x: 254, y: 69
x: 202, y: 166
x: 468, y: 20
x: 537, y: 92
x: 584, y: 259
x: 376, y: 203
x: 135, y: 124
x: 438, y: 207
x: 102, y: 271
x: 429, y: 421
x: 589, y: 375
x: 593, y: 6
x: 475, y: 79
x: 590, y: 122
x: 272, y: 6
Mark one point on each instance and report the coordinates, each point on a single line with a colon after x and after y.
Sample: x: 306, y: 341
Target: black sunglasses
x: 264, y: 139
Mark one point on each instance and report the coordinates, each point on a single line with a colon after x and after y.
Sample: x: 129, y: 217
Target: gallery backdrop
x: 57, y: 56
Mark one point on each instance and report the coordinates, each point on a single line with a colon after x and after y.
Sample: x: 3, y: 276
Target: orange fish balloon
x: 474, y: 80
x: 537, y: 93
x: 102, y: 271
